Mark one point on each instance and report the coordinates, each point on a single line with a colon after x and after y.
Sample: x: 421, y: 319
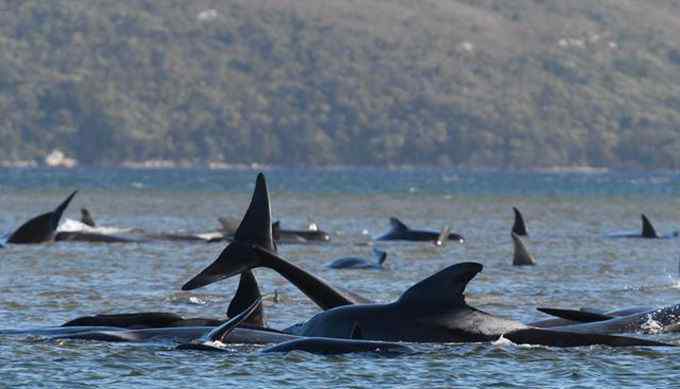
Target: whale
x: 399, y: 231
x: 657, y: 320
x: 360, y: 263
x: 647, y: 232
x: 521, y: 255
x: 298, y: 236
x: 217, y: 339
x: 243, y: 253
x: 247, y: 292
x: 518, y: 227
x: 41, y: 228
x: 424, y: 313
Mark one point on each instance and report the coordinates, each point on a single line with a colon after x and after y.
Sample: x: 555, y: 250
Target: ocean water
x: 568, y: 217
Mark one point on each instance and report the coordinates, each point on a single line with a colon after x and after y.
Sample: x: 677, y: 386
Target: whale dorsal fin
x: 648, y: 230
x: 86, y: 218
x: 223, y: 330
x: 247, y: 292
x: 397, y: 225
x: 574, y: 315
x: 256, y: 224
x: 41, y: 228
x: 443, y: 289
x: 356, y: 332
x: 381, y: 255
x: 519, y: 227
x: 521, y: 254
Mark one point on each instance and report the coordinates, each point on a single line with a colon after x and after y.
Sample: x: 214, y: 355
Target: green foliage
x: 452, y: 82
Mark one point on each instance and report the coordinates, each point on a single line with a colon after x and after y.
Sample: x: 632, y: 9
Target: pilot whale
x: 360, y: 263
x: 215, y: 341
x: 666, y: 319
x: 648, y: 232
x: 41, y: 228
x: 247, y: 292
x: 399, y: 231
x: 298, y: 236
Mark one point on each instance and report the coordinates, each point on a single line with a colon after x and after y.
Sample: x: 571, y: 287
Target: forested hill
x: 501, y: 83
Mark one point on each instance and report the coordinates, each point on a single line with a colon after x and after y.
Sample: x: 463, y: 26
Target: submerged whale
x: 216, y: 340
x: 298, y: 236
x: 518, y: 227
x: 433, y: 310
x: 399, y: 231
x: 648, y: 232
x: 360, y: 263
x: 521, y: 255
x: 41, y: 228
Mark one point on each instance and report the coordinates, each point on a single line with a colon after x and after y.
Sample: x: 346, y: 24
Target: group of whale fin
x: 433, y: 310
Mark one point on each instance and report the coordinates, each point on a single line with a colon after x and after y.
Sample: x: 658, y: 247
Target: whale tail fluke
x: 547, y: 337
x: 255, y: 230
x: 247, y: 292
x: 648, y: 230
x: 521, y: 254
x: 452, y: 279
x: 519, y: 227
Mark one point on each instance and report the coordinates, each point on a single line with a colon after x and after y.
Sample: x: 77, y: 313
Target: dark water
x: 568, y: 215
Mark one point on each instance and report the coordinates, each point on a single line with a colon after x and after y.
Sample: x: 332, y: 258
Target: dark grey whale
x: 399, y: 231
x: 41, y: 228
x: 521, y: 255
x: 298, y: 236
x: 360, y: 263
x: 424, y: 313
x: 253, y: 246
x: 647, y: 232
x: 518, y: 227
x: 215, y: 341
x: 666, y: 319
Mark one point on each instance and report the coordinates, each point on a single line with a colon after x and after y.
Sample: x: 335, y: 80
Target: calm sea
x: 568, y: 217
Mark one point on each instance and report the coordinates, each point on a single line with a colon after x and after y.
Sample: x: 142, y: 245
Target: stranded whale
x: 648, y: 232
x: 399, y: 231
x: 360, y: 263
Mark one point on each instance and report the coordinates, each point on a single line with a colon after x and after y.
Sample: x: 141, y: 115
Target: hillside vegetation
x: 500, y: 83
